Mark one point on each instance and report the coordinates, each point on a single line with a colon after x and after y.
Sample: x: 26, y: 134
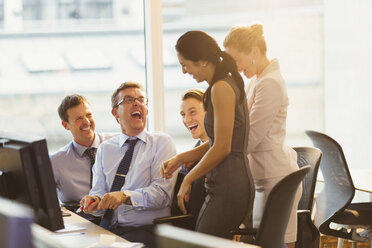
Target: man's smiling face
x: 81, y: 124
x: 131, y: 116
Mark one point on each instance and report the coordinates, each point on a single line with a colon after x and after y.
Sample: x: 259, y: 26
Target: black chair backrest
x: 277, y: 210
x: 175, y: 210
x: 308, y: 156
x: 307, y: 234
x: 338, y: 190
x: 196, y: 200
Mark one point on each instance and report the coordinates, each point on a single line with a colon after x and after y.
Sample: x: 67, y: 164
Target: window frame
x: 153, y: 26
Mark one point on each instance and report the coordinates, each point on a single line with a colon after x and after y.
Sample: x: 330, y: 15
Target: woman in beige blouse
x: 269, y: 157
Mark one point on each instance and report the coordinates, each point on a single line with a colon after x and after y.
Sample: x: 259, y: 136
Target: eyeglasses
x: 130, y: 100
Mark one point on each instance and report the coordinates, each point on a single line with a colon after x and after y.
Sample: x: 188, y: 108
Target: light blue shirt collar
x: 141, y: 136
x: 79, y: 149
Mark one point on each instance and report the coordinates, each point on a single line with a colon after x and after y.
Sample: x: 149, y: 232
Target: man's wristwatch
x: 127, y: 197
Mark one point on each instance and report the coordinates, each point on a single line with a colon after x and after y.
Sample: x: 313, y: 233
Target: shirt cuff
x: 136, y: 198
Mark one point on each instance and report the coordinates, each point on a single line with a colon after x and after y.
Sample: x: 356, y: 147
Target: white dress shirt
x: 150, y: 193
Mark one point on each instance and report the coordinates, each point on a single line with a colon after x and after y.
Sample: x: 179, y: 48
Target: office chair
x: 197, y: 196
x: 277, y: 210
x: 333, y: 203
x: 307, y: 234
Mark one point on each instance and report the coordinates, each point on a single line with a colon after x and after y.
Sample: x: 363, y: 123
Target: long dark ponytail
x: 198, y: 45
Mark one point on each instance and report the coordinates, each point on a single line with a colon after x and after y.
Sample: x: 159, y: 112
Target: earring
x: 252, y: 61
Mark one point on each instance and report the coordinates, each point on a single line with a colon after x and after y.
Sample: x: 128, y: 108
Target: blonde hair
x: 194, y: 93
x: 243, y: 38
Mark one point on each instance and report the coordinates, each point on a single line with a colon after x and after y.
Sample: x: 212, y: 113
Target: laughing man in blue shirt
x: 145, y: 195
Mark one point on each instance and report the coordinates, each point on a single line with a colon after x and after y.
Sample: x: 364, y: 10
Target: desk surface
x: 92, y: 234
x: 83, y: 238
x: 362, y: 179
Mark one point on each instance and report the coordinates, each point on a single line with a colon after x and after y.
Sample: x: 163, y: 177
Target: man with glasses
x: 72, y: 164
x: 128, y: 189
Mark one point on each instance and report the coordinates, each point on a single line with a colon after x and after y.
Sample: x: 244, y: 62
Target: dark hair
x: 198, y: 45
x: 123, y: 86
x: 70, y: 101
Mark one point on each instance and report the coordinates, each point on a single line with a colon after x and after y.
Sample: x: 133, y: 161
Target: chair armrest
x: 245, y: 231
x: 303, y: 212
x: 173, y: 219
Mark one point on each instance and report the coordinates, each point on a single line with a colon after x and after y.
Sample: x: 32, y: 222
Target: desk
x: 73, y: 239
x: 362, y: 179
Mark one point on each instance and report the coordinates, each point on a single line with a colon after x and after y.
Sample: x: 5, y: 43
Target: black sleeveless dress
x: 230, y: 187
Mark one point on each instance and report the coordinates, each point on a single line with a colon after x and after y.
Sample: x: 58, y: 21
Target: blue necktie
x: 119, y: 180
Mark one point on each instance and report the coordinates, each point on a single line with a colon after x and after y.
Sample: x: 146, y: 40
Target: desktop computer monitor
x: 26, y: 176
x: 171, y: 236
x: 15, y: 224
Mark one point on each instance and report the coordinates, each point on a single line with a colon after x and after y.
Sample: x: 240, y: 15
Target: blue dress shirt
x: 71, y: 169
x: 150, y: 193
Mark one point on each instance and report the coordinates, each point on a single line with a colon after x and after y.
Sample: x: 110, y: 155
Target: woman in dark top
x: 230, y: 189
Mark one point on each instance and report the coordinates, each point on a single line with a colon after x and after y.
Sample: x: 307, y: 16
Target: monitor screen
x: 26, y: 176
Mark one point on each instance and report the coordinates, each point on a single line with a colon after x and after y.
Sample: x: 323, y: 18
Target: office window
x: 101, y: 46
x: 88, y: 9
x: 33, y: 9
x: 1, y: 13
x: 48, y: 58
x: 294, y: 34
x: 38, y: 62
x: 88, y: 59
x: 67, y: 9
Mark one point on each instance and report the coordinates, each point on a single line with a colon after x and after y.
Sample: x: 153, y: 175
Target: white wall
x: 348, y: 78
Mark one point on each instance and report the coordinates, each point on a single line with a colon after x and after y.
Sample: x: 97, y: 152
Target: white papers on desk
x: 70, y: 228
x: 118, y: 245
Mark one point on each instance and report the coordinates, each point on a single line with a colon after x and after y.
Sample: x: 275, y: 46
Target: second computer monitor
x: 26, y: 176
